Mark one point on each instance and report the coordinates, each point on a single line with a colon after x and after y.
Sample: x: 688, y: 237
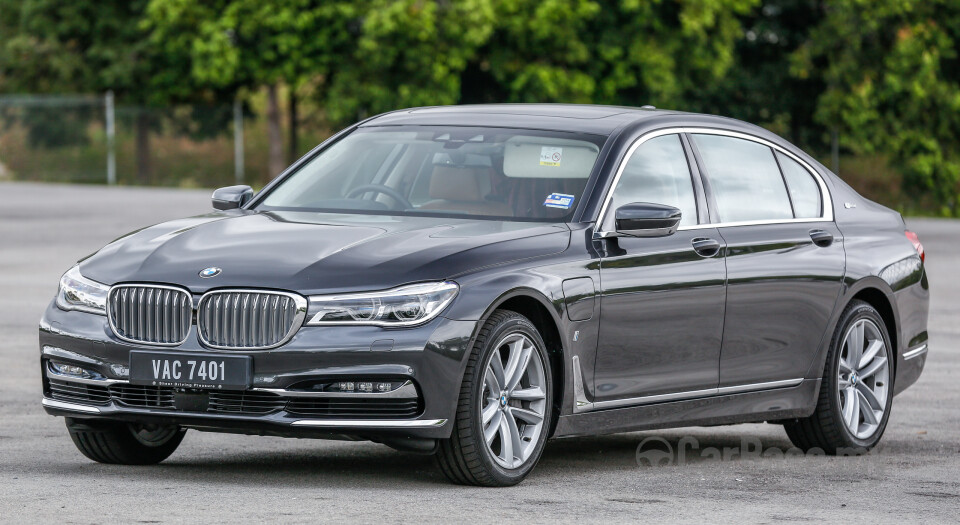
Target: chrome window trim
x: 582, y: 404
x: 826, y: 214
x: 113, y: 327
x: 299, y: 300
x: 750, y: 223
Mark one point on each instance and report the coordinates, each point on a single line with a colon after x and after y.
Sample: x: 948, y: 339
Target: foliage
x: 414, y: 52
x: 760, y: 86
x: 50, y: 46
x: 893, y: 86
x: 55, y: 47
x: 409, y: 53
x: 885, y: 74
x: 250, y: 43
x: 629, y: 52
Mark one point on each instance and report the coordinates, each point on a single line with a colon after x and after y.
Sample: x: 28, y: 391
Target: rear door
x: 785, y: 258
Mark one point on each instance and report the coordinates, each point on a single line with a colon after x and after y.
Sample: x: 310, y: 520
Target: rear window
x: 804, y: 190
x: 499, y: 174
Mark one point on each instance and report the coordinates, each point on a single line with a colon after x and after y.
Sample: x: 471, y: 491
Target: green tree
x: 253, y: 44
x: 893, y: 86
x: 76, y: 47
x: 630, y: 52
x: 86, y: 47
x: 760, y: 86
x: 417, y: 52
x: 409, y: 53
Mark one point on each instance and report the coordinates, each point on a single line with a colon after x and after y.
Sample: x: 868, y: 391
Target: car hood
x: 317, y: 252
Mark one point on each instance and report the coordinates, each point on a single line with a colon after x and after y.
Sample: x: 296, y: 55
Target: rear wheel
x: 124, y: 443
x: 856, y: 391
x: 503, y: 415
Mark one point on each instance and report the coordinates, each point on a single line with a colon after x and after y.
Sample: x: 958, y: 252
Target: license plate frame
x: 190, y: 370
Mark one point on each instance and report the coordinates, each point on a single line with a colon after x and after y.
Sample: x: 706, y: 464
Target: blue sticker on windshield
x: 559, y: 200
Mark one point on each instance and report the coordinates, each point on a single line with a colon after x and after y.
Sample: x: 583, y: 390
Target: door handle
x: 821, y: 238
x: 705, y: 246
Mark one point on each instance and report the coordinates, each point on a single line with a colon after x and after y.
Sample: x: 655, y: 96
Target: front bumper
x: 429, y: 360
x: 268, y: 425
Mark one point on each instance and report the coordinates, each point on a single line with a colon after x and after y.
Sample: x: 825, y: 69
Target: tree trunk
x: 144, y: 167
x: 294, y: 124
x: 276, y: 163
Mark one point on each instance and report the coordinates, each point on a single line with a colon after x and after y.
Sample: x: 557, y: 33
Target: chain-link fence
x: 88, y: 139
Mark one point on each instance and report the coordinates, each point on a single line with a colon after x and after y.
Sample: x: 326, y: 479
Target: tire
x: 830, y: 428
x: 469, y: 457
x: 121, y: 443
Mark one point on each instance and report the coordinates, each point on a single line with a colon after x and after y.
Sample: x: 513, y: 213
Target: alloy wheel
x: 863, y: 378
x: 514, y: 401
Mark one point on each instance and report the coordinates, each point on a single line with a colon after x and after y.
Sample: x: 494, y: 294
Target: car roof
x: 581, y: 118
x: 577, y: 118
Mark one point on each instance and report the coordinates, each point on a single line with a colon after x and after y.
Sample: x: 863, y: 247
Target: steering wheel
x: 379, y: 188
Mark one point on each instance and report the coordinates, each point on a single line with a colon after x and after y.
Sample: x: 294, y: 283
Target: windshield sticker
x: 559, y: 200
x: 551, y: 156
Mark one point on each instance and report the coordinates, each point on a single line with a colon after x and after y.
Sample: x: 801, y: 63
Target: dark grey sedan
x: 470, y: 281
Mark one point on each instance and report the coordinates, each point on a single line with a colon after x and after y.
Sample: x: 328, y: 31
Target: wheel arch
x: 885, y: 307
x: 533, y: 305
x: 875, y: 292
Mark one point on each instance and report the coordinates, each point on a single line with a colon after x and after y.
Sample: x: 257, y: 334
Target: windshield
x: 497, y: 174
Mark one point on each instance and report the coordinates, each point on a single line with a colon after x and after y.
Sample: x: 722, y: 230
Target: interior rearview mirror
x: 231, y: 197
x: 644, y: 219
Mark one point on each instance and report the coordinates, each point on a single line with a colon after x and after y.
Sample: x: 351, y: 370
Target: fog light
x: 384, y: 387
x: 346, y: 386
x: 72, y: 370
x: 365, y: 387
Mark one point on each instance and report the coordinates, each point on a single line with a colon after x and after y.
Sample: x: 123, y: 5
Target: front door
x: 662, y: 299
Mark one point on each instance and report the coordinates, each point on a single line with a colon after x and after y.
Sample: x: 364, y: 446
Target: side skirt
x: 749, y: 407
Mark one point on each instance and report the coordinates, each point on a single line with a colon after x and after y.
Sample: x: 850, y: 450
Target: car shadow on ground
x: 372, y: 465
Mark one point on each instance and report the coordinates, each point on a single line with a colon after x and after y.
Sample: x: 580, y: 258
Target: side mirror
x: 643, y: 219
x: 231, y: 197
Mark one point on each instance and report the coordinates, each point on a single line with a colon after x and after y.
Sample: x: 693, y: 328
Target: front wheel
x: 124, y: 443
x: 504, y: 412
x: 856, y: 391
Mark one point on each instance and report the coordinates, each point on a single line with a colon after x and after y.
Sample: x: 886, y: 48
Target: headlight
x: 404, y: 306
x: 79, y: 293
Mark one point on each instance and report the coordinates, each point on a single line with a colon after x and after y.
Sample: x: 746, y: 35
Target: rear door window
x: 744, y: 178
x: 804, y: 190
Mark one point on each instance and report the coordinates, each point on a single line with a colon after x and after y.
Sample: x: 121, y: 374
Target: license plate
x: 184, y: 370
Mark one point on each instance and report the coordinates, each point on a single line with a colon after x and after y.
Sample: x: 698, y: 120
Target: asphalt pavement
x: 730, y: 474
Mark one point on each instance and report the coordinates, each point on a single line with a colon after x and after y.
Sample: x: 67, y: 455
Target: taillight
x: 916, y: 243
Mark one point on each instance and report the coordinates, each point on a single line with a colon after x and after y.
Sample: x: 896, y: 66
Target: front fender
x: 484, y: 292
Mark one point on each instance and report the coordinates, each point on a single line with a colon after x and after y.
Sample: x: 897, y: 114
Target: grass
x: 178, y: 156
